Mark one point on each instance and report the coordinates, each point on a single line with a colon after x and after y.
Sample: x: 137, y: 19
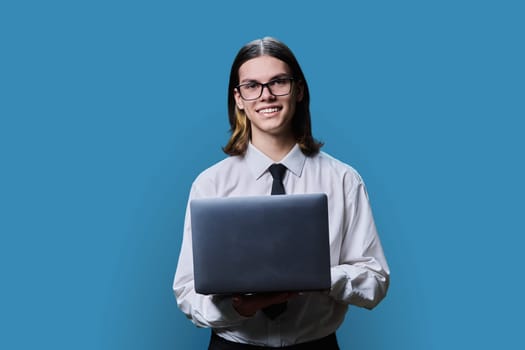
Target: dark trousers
x: 327, y: 343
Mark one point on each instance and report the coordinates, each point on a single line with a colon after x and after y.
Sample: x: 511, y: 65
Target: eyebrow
x: 278, y: 76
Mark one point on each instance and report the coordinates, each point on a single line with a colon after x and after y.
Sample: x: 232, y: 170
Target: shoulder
x: 337, y: 170
x: 336, y: 166
x: 219, y: 169
x: 207, y: 180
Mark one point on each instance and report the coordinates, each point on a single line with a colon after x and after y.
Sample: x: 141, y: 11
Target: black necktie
x: 277, y: 171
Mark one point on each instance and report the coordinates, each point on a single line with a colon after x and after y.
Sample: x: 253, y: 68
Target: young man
x: 268, y: 102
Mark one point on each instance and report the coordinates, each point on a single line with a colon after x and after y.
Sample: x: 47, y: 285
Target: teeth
x: 269, y: 110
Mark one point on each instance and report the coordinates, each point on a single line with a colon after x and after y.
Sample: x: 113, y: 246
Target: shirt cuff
x: 341, y: 284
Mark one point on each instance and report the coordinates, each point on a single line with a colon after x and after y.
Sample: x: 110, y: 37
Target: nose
x: 266, y: 93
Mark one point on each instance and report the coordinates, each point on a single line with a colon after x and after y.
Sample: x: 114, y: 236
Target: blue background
x: 109, y: 109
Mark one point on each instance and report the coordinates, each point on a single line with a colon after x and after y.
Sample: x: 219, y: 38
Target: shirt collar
x: 258, y: 162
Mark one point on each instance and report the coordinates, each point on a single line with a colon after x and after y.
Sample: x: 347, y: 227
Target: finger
x: 276, y: 298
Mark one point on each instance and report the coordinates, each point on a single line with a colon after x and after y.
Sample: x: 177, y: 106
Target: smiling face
x: 270, y: 116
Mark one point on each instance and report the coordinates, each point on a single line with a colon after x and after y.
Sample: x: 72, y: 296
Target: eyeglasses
x: 277, y: 87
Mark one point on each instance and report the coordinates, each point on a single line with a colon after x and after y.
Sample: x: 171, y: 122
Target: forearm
x: 205, y: 310
x: 363, y: 284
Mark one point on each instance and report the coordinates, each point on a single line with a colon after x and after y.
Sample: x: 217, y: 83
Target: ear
x: 238, y: 99
x: 299, y: 92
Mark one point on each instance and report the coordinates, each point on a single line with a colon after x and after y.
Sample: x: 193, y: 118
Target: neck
x: 274, y: 147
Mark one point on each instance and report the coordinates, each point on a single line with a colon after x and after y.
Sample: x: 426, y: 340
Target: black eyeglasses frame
x: 265, y: 85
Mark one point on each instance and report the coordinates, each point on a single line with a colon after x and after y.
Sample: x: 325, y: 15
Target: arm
x: 202, y: 310
x: 362, y: 276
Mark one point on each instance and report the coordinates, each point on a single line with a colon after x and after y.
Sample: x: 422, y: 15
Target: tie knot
x: 277, y: 171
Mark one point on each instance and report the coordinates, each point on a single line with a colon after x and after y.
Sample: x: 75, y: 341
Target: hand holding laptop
x: 248, y: 305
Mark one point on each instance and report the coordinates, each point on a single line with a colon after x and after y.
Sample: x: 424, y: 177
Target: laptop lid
x: 260, y: 244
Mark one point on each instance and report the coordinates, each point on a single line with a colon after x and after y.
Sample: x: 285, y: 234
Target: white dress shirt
x: 359, y: 271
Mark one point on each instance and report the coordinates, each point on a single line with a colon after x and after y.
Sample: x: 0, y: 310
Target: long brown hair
x: 240, y: 127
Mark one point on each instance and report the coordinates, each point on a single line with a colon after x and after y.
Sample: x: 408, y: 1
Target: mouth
x: 269, y: 110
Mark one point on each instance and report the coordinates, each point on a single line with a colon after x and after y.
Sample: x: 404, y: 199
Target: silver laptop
x: 260, y: 244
